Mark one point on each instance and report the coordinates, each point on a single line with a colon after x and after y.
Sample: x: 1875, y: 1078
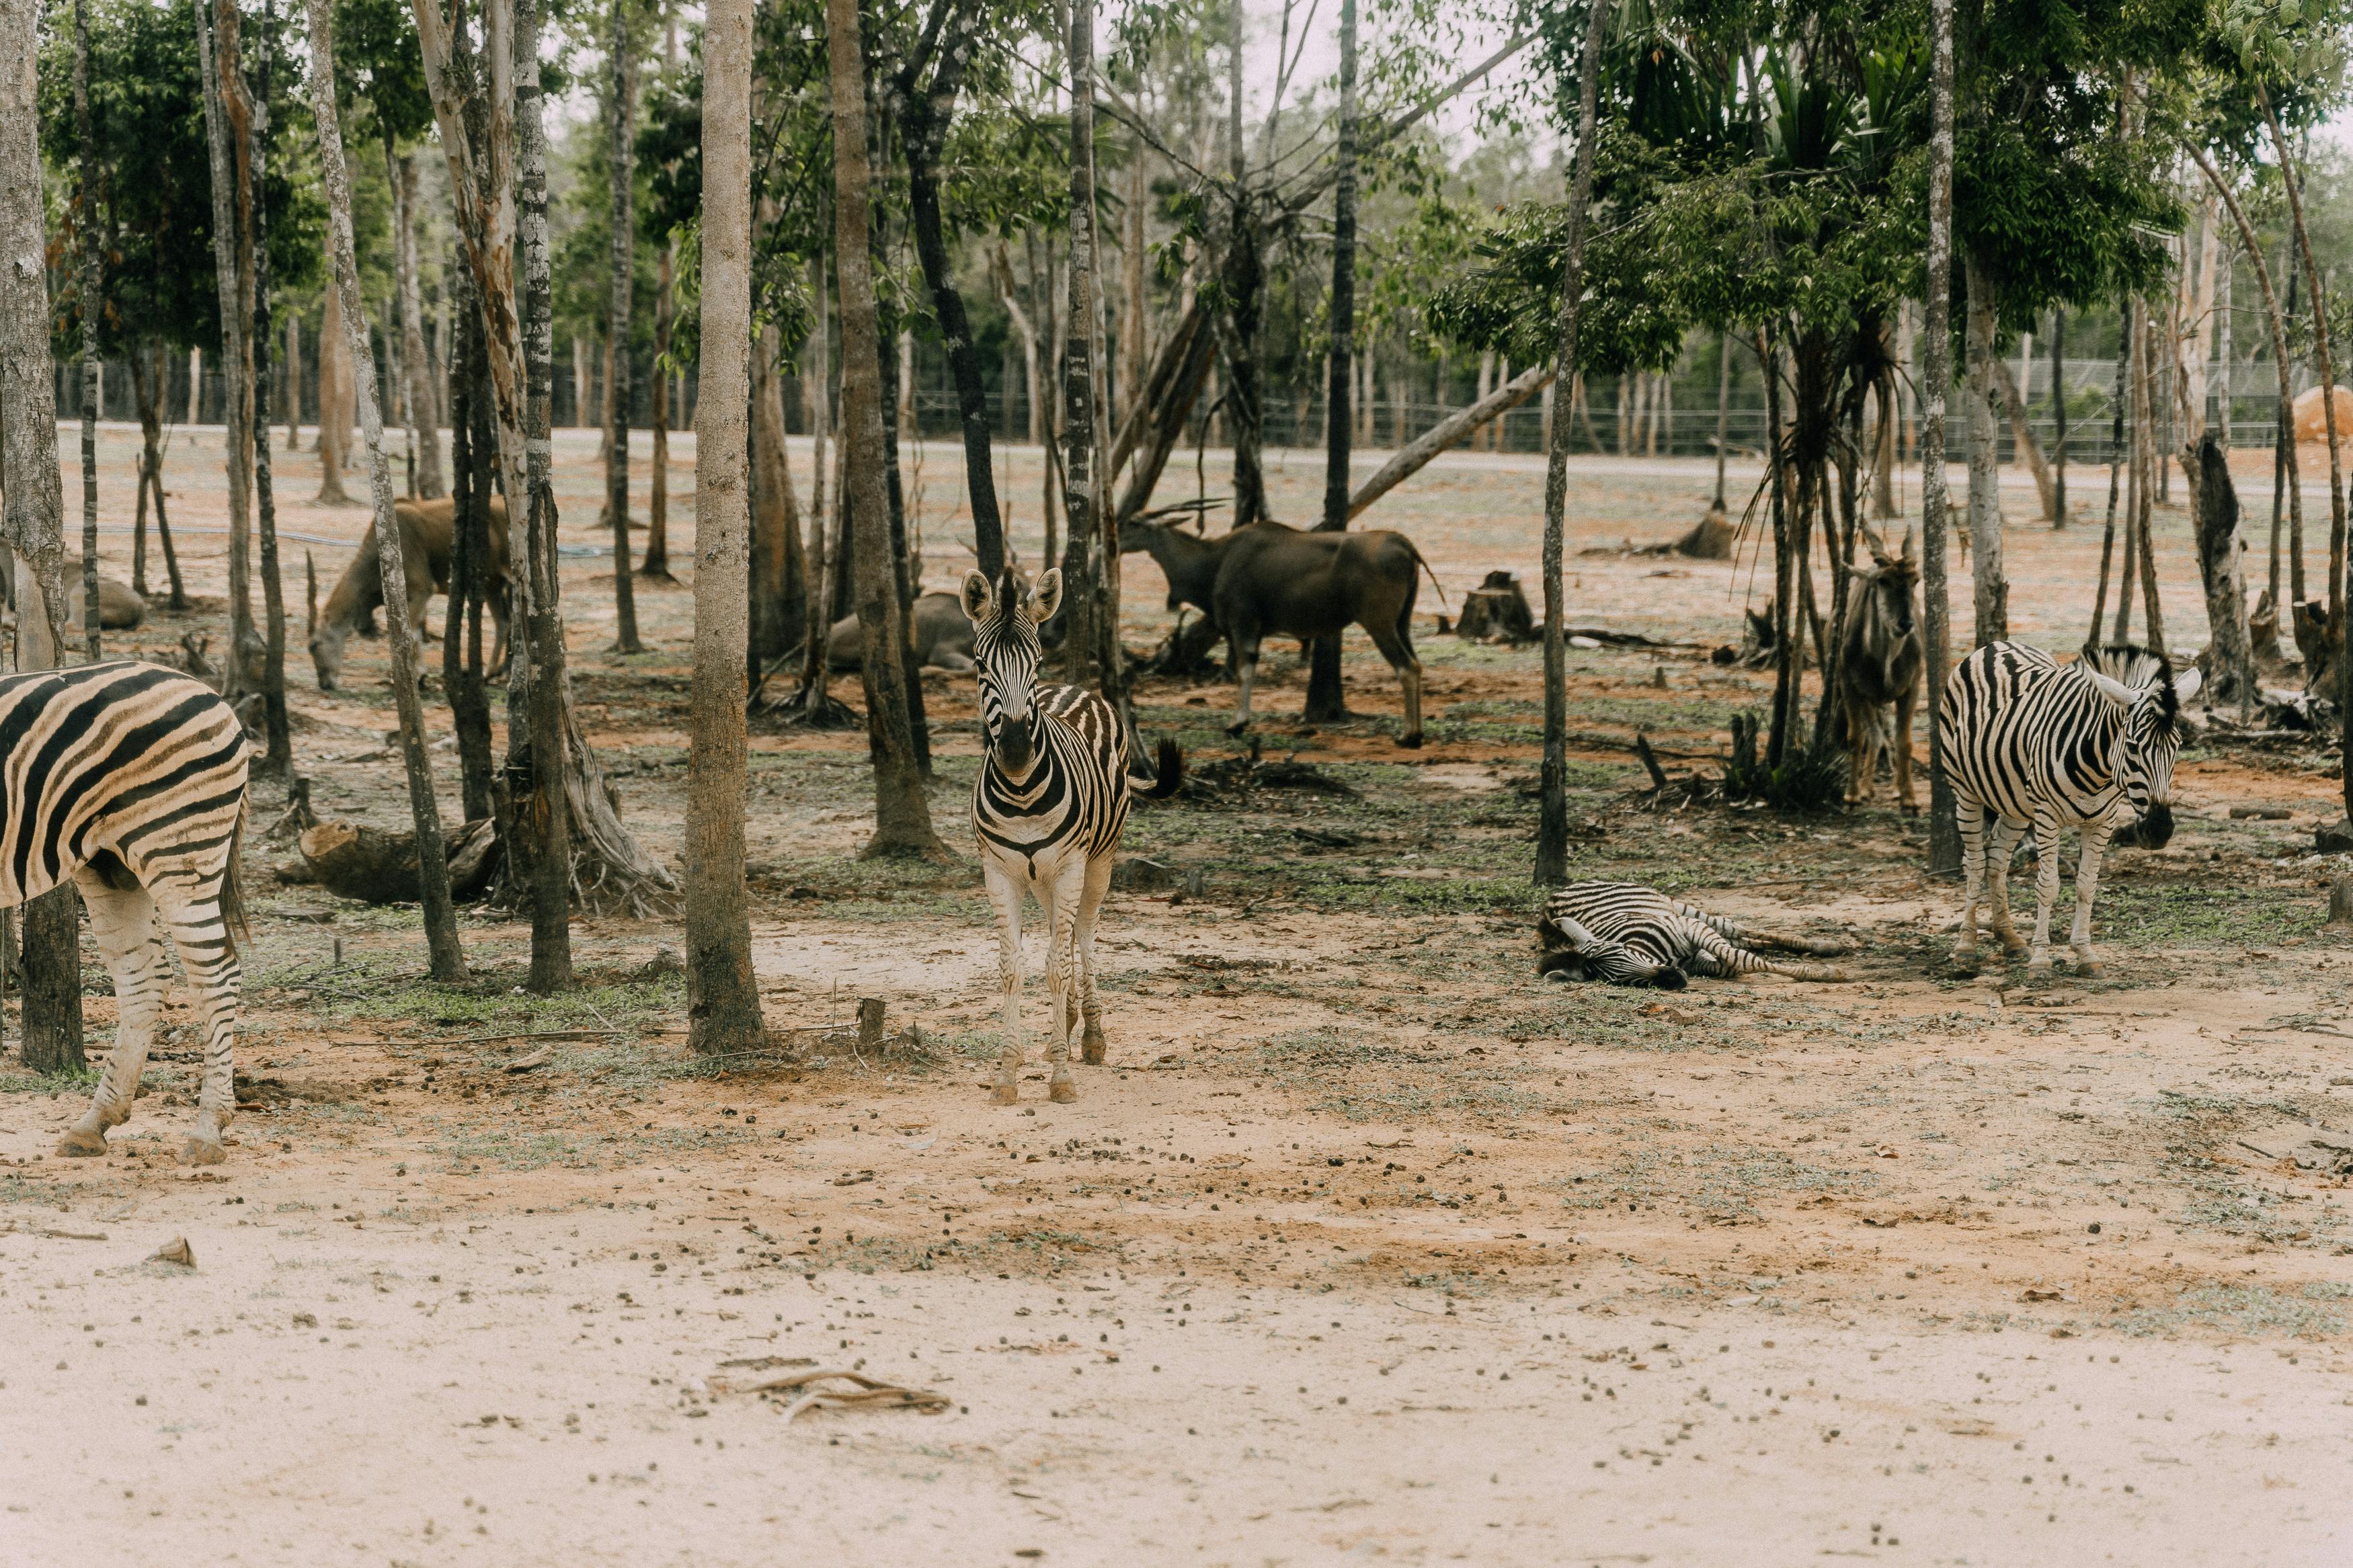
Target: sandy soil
x: 1919, y: 1268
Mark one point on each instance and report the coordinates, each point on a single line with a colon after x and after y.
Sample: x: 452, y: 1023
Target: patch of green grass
x: 2142, y: 911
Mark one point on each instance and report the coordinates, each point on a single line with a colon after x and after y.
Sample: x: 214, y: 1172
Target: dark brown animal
x: 941, y: 632
x: 1880, y: 663
x: 427, y: 531
x: 1269, y: 578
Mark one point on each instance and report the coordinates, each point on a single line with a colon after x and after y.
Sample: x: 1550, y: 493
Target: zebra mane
x: 2140, y: 668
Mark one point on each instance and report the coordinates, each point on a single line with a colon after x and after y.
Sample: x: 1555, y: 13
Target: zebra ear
x: 978, y: 598
x: 2115, y: 690
x: 1047, y: 597
x: 1579, y: 939
x: 2186, y: 686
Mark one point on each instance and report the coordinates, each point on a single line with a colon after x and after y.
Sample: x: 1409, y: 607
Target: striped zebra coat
x: 128, y: 778
x: 1632, y: 935
x: 1047, y: 809
x: 2030, y: 743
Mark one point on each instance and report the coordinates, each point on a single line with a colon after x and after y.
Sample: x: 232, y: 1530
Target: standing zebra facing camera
x: 130, y: 779
x: 2029, y: 742
x: 1047, y: 809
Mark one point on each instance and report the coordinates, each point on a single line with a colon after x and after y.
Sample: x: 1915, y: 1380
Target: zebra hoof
x: 1005, y: 1094
x: 82, y: 1142
x: 1091, y: 1047
x: 1965, y: 959
x: 1062, y: 1093
x: 201, y: 1151
x: 2037, y: 970
x: 2086, y: 966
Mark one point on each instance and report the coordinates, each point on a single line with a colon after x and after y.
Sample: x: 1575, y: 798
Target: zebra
x: 130, y: 779
x: 1632, y: 935
x: 1047, y: 810
x: 2029, y: 741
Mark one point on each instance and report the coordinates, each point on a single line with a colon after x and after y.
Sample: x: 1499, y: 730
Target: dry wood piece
x: 870, y: 1024
x: 870, y: 1393
x: 379, y: 867
x: 298, y: 815
x: 1496, y: 611
x: 175, y: 1250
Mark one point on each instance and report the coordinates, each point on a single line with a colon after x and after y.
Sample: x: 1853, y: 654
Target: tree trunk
x: 1723, y: 412
x: 1989, y: 588
x: 424, y: 398
x: 1088, y: 589
x: 656, y: 564
x: 723, y: 999
x: 462, y: 670
x: 624, y: 88
x: 34, y: 513
x: 902, y: 816
x: 1156, y: 422
x: 1552, y: 811
x: 779, y: 591
x: 448, y: 960
x: 1416, y: 455
x: 293, y: 381
x: 2116, y: 403
x: 1935, y: 382
x: 924, y: 119
x: 334, y: 422
x: 249, y: 113
x: 216, y: 52
x: 2328, y: 396
x: 2230, y: 654
x: 88, y: 307
x: 1326, y: 701
x: 2059, y: 414
x: 2029, y: 450
x: 143, y: 403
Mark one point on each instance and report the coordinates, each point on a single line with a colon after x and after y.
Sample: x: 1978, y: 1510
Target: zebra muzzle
x: 2152, y: 830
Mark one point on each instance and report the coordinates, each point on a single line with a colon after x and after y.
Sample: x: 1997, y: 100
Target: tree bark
x: 448, y: 960
x: 928, y: 108
x: 1417, y: 454
x: 293, y: 381
x: 249, y: 115
x: 656, y: 563
x: 2328, y: 397
x: 1936, y: 383
x: 779, y: 589
x: 1990, y: 588
x: 2029, y: 450
x: 723, y: 999
x: 2230, y: 654
x: 902, y: 815
x: 623, y: 85
x: 91, y: 305
x: 335, y: 421
x: 2058, y: 415
x: 1326, y: 698
x: 1552, y: 811
x: 216, y: 53
x: 1087, y: 572
x: 424, y: 399
x: 462, y: 671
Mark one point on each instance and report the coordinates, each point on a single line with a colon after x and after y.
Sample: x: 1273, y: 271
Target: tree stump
x: 1710, y: 538
x: 870, y: 1025
x: 378, y: 868
x: 1496, y: 611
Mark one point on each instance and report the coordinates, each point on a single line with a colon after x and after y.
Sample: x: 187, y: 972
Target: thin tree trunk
x: 91, y: 305
x: 2029, y: 450
x: 656, y: 564
x: 1723, y: 411
x: 1551, y: 812
x: 293, y: 381
x: 1086, y: 571
x: 1936, y: 383
x: 1989, y: 588
x: 902, y: 815
x: 723, y: 999
x: 216, y: 36
x: 472, y: 460
x: 1416, y: 455
x: 2328, y: 398
x: 448, y: 960
x: 335, y: 421
x: 51, y: 1038
x: 779, y: 595
x: 1244, y: 277
x: 424, y: 400
x: 1326, y: 700
x: 250, y: 116
x: 2153, y: 465
x: 142, y: 397
x: 624, y: 88
x: 2116, y: 400
x: 2059, y: 414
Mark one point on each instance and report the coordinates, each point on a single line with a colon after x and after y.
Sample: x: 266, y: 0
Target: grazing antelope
x: 427, y: 530
x: 1047, y: 809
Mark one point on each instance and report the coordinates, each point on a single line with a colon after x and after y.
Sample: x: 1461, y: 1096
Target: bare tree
x: 2294, y: 183
x: 1326, y: 700
x: 902, y: 816
x: 1090, y: 575
x: 34, y: 515
x: 722, y: 1000
x: 86, y: 220
x: 217, y: 30
x: 449, y: 961
x: 1989, y: 588
x: 623, y: 85
x: 1552, y: 809
x: 1936, y: 381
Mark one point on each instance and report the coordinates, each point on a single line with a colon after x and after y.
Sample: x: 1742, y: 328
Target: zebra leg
x: 1970, y: 818
x: 1061, y: 943
x: 2046, y: 892
x: 2087, y: 884
x: 1090, y: 897
x: 199, y: 930
x: 122, y: 921
x: 1005, y: 895
x: 2001, y: 843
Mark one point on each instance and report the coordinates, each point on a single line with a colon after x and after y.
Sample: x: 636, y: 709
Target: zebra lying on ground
x: 130, y: 778
x: 1632, y: 936
x: 1047, y: 809
x: 2030, y: 741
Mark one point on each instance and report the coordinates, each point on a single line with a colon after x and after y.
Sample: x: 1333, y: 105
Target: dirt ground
x: 1918, y: 1268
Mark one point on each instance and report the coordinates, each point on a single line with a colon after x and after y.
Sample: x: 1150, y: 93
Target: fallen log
x: 354, y: 861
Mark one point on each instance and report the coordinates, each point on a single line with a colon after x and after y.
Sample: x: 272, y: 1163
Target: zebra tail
x: 1170, y: 773
x: 232, y: 898
x: 1818, y: 972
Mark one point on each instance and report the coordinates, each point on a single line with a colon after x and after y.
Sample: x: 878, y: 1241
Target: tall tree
x: 1552, y: 810
x: 217, y: 40
x: 902, y: 823
x: 1990, y: 588
x: 92, y: 307
x: 722, y: 1000
x: 1090, y: 575
x: 622, y: 83
x: 33, y: 514
x: 423, y: 395
x: 449, y: 962
x: 1326, y: 701
x: 1936, y: 383
x: 2327, y: 366
x: 656, y: 563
